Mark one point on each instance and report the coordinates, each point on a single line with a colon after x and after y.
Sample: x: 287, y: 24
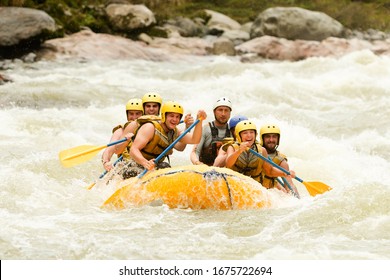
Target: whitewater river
x: 334, y: 115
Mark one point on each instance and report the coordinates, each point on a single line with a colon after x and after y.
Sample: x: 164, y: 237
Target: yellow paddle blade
x: 315, y: 188
x: 79, y: 154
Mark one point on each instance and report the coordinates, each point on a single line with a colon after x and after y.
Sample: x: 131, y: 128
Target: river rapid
x: 335, y: 127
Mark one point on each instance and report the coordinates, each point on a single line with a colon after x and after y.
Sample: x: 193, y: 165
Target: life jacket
x: 160, y: 141
x: 276, y: 157
x: 248, y: 163
x: 121, y: 126
x: 226, y: 142
x: 140, y: 121
x: 116, y: 128
x: 126, y: 124
x: 208, y: 153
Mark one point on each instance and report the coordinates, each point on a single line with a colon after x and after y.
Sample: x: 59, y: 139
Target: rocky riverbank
x: 277, y: 34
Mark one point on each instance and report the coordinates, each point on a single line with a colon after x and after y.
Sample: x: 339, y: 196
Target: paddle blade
x: 79, y: 154
x: 315, y: 188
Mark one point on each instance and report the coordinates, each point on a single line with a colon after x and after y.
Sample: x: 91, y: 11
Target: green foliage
x: 358, y: 14
x: 71, y: 15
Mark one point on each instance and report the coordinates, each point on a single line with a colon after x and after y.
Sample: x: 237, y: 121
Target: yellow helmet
x: 269, y: 128
x: 171, y: 107
x: 134, y: 104
x: 152, y: 97
x: 242, y: 126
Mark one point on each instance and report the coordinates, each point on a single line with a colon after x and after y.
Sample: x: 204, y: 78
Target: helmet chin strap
x: 273, y: 150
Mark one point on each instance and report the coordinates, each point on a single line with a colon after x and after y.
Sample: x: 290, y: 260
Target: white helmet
x: 223, y: 101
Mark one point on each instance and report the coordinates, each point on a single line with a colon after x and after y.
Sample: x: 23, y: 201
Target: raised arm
x: 195, y: 136
x: 188, y: 120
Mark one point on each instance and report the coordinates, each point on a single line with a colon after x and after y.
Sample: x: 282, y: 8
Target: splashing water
x: 334, y: 120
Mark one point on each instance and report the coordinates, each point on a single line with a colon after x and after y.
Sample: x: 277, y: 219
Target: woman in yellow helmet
x: 220, y: 160
x: 152, y: 138
x: 134, y: 110
x: 241, y: 160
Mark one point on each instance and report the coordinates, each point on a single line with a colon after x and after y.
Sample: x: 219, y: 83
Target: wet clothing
x: 248, y: 163
x: 271, y: 182
x: 116, y: 128
x: 160, y: 141
x: 211, y: 141
x: 156, y: 146
x: 121, y: 126
x: 132, y: 168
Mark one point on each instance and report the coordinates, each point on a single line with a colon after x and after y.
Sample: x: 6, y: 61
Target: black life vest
x: 209, y: 153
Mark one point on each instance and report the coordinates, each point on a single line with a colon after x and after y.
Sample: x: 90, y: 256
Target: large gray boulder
x: 295, y: 23
x: 20, y: 24
x: 221, y: 22
x: 269, y: 47
x: 87, y: 45
x: 127, y: 17
x: 186, y: 27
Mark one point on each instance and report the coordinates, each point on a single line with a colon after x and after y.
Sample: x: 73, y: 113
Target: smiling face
x: 271, y: 141
x: 248, y: 136
x: 172, y: 119
x: 151, y: 108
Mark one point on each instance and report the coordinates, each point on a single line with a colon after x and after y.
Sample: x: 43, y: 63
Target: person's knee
x: 129, y: 173
x: 163, y: 165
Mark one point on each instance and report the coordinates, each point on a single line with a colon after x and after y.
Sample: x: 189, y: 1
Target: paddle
x: 313, y: 188
x: 284, y: 183
x: 104, y: 173
x: 115, y: 198
x: 170, y: 146
x: 83, y: 153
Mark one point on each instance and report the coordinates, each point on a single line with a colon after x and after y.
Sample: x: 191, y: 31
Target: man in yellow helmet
x: 151, y: 103
x: 134, y: 110
x: 241, y: 160
x: 152, y: 138
x: 213, y: 134
x: 269, y: 139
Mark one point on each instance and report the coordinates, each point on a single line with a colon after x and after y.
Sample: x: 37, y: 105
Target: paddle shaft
x: 285, y: 183
x: 171, y: 146
x: 314, y: 188
x: 105, y: 171
x: 274, y: 164
x: 120, y: 158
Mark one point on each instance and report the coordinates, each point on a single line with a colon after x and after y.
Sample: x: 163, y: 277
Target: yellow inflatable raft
x: 193, y: 186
